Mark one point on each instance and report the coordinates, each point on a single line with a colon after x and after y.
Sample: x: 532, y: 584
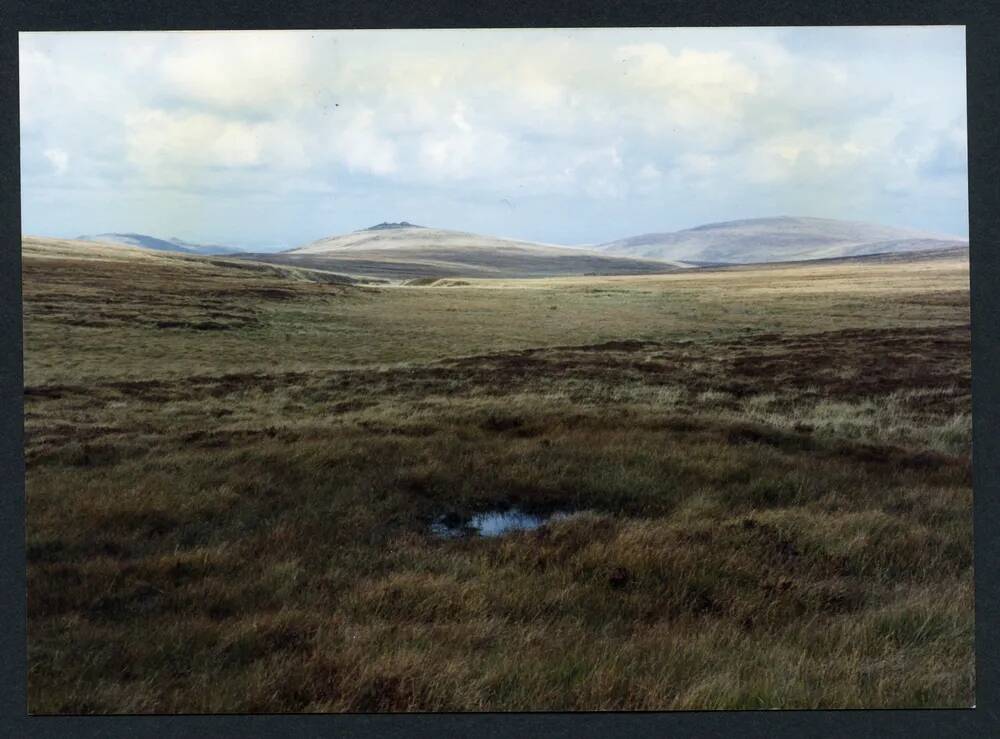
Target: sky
x: 579, y: 136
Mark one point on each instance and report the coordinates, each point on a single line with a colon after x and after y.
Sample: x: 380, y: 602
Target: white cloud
x: 697, y: 164
x: 794, y: 155
x: 649, y: 173
x: 175, y: 148
x: 692, y: 85
x: 35, y: 75
x: 59, y: 160
x: 461, y: 150
x: 249, y: 71
x: 604, y: 123
x: 362, y: 148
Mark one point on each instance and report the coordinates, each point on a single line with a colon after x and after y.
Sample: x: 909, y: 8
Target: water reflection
x: 492, y: 523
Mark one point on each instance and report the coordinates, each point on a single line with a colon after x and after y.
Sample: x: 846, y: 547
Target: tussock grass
x: 773, y: 490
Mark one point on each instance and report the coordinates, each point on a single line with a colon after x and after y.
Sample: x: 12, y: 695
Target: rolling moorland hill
x: 403, y: 251
x: 408, y: 253
x: 43, y: 249
x: 779, y: 239
x: 945, y: 253
x: 171, y: 244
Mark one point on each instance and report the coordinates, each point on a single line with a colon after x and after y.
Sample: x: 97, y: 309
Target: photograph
x: 496, y: 370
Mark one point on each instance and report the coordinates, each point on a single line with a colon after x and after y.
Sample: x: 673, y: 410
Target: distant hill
x: 144, y: 241
x: 777, y: 240
x: 42, y: 247
x: 948, y: 253
x: 403, y: 251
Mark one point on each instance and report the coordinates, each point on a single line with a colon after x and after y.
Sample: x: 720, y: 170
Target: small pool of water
x: 492, y: 523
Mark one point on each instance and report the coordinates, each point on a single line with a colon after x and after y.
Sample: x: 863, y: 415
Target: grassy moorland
x: 232, y: 470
